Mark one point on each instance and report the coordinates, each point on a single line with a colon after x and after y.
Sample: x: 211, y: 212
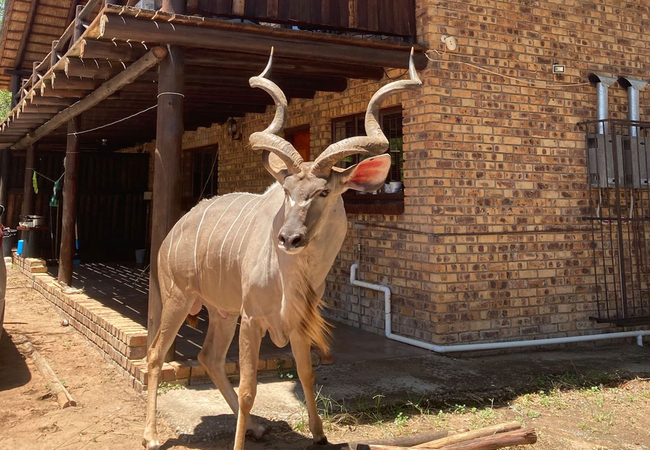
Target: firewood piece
x: 411, y: 440
x: 63, y: 397
x: 518, y: 437
x: 462, y: 437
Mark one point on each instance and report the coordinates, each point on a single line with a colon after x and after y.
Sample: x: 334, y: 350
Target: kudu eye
x: 325, y: 193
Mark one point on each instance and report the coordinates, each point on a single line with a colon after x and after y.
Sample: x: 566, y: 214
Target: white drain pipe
x: 488, y: 346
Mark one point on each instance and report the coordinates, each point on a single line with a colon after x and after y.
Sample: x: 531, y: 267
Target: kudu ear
x: 275, y: 166
x: 367, y: 176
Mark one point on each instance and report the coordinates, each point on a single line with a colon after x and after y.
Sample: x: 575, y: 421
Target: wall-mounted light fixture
x: 234, y: 129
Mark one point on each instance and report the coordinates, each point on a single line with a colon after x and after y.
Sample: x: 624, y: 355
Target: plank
x: 373, y: 15
x: 362, y: 14
x: 272, y: 8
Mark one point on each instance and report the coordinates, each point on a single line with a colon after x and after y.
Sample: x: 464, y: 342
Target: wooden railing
x: 385, y: 17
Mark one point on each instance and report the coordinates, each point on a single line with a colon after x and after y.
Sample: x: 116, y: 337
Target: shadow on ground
x: 13, y: 367
x: 208, y: 434
x: 373, y: 391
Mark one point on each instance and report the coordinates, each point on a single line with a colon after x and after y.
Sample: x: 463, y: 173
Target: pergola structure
x: 174, y: 70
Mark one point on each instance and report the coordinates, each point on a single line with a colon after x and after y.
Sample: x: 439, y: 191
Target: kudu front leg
x: 301, y: 349
x: 174, y: 311
x: 250, y: 338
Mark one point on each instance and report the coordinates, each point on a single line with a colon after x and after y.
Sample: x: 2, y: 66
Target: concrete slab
x: 202, y: 414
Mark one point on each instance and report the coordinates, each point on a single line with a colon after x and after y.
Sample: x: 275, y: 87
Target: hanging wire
x: 528, y: 82
x: 207, y: 181
x: 76, y: 133
x: 48, y: 178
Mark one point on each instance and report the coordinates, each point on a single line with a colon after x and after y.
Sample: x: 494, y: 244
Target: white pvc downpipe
x: 488, y: 346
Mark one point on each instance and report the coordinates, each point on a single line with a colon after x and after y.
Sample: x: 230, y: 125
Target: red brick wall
x: 491, y: 245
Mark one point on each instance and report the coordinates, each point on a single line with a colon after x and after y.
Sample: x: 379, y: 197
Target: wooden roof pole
x: 4, y: 181
x: 130, y: 74
x: 166, y: 201
x: 28, y: 191
x: 69, y: 207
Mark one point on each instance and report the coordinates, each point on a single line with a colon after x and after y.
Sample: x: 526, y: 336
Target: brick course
x: 491, y: 245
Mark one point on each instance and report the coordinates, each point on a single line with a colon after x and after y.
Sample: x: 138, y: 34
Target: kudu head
x: 311, y: 188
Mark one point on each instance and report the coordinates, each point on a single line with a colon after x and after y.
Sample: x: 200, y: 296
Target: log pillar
x: 69, y: 208
x: 166, y: 202
x: 15, y: 89
x: 4, y: 181
x: 28, y: 188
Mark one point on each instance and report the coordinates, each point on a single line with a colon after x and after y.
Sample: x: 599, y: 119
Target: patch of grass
x: 167, y: 386
x: 286, y: 374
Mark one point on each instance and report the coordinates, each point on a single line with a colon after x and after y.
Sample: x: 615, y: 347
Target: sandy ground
x: 109, y: 414
x: 553, y: 391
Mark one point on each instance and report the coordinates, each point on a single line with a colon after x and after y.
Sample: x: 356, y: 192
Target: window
x: 300, y: 138
x: 199, y: 175
x: 378, y: 202
x: 391, y: 124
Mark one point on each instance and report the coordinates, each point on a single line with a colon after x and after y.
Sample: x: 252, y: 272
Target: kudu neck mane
x: 300, y: 304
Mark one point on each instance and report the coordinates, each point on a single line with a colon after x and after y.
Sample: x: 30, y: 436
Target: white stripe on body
x: 196, y: 241
x: 251, y: 221
x: 252, y: 210
x: 217, y: 224
x: 180, y: 237
x: 225, y: 238
x: 169, y: 254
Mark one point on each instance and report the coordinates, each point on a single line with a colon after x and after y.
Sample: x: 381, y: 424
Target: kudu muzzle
x: 293, y: 234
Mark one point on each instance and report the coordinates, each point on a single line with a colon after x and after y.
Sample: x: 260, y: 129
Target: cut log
x: 411, y: 440
x: 501, y: 440
x: 63, y: 397
x: 462, y: 437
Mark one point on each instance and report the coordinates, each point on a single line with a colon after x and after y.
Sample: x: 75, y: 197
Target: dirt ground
x: 109, y: 413
x: 570, y: 405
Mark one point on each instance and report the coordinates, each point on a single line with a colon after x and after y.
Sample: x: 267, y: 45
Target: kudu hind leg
x: 301, y: 349
x: 174, y: 311
x: 250, y: 338
x: 213, y: 357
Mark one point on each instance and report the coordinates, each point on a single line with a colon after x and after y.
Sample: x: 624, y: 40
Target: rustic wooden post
x: 15, y: 89
x: 28, y: 189
x: 166, y: 204
x: 69, y: 215
x: 4, y: 180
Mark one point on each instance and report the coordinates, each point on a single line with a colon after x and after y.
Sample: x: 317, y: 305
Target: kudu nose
x: 291, y: 241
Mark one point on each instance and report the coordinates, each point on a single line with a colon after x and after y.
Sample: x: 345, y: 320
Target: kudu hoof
x: 321, y: 441
x: 256, y: 430
x: 151, y: 444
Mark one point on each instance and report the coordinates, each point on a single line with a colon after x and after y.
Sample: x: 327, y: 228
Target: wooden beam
x: 67, y: 93
x: 63, y: 82
x: 256, y: 41
x: 28, y: 189
x: 166, y: 204
x: 4, y: 181
x: 256, y: 63
x: 24, y: 39
x: 105, y: 90
x: 69, y: 214
x: 113, y: 51
x: 52, y: 101
x: 92, y: 68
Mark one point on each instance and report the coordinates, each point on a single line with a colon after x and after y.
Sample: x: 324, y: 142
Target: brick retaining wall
x: 120, y: 340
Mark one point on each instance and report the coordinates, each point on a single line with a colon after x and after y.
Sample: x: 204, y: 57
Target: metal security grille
x: 618, y: 153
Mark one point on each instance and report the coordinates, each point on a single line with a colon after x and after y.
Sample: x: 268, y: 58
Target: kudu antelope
x: 264, y: 259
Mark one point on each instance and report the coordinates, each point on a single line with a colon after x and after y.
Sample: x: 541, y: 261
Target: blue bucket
x: 19, y: 250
